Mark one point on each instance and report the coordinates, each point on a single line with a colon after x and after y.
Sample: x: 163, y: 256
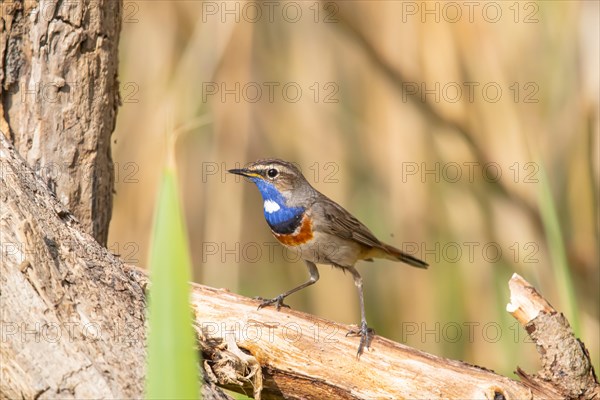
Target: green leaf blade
x: 173, y: 363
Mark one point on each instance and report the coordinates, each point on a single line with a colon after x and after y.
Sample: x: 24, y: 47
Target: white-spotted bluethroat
x: 305, y: 220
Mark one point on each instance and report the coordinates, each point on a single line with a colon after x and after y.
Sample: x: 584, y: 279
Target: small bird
x: 303, y: 219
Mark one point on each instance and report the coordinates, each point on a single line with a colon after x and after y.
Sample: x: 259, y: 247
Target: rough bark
x: 566, y: 367
x: 72, y: 315
x: 59, y: 97
x: 72, y: 318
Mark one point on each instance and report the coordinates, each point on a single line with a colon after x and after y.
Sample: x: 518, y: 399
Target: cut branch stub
x: 566, y: 366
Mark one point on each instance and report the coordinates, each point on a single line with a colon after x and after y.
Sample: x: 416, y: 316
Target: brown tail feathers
x: 393, y: 253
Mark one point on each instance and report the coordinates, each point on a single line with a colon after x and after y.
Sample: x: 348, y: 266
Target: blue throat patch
x: 286, y: 219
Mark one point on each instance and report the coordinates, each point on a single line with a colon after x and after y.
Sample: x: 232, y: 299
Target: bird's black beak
x: 244, y: 172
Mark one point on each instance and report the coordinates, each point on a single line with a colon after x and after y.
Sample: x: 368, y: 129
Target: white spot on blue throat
x: 275, y: 208
x: 271, y: 206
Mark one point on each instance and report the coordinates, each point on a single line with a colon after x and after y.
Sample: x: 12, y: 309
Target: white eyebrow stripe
x: 271, y: 206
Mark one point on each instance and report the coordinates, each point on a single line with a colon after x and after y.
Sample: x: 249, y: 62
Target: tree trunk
x: 72, y: 318
x: 72, y: 315
x: 59, y: 97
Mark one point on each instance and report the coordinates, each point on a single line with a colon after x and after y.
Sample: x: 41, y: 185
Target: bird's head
x: 279, y: 182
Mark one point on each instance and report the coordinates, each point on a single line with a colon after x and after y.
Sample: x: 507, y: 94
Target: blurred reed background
x: 514, y: 93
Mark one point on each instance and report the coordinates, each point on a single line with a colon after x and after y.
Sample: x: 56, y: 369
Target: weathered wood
x: 72, y: 315
x: 306, y: 357
x: 72, y: 319
x: 566, y: 366
x: 59, y: 97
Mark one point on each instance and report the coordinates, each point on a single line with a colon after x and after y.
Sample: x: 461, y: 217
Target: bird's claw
x: 277, y: 301
x: 366, y: 336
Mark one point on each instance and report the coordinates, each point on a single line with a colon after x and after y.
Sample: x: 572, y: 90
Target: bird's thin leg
x: 365, y: 333
x: 278, y: 301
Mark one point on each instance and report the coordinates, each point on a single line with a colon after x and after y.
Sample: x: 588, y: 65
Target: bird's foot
x: 277, y: 301
x: 366, y: 336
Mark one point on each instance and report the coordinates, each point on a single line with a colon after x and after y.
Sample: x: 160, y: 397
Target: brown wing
x: 341, y: 223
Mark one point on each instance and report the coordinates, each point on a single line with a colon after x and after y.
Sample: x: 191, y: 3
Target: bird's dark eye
x: 272, y: 173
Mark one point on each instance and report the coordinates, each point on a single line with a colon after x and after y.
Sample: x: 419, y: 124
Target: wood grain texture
x: 566, y: 366
x: 59, y: 97
x: 306, y: 357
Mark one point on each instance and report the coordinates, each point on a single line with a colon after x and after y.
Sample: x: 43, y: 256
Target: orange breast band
x: 303, y: 234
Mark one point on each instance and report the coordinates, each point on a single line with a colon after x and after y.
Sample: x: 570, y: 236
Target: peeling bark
x: 566, y: 366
